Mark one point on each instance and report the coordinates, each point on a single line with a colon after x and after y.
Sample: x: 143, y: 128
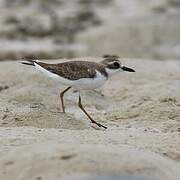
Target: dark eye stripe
x: 116, y: 64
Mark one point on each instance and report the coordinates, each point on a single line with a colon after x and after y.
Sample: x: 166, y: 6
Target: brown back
x: 74, y: 70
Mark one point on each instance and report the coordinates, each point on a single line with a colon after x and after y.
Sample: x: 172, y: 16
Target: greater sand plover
x: 81, y: 75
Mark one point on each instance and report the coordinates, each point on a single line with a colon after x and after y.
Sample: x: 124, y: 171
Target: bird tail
x: 28, y: 62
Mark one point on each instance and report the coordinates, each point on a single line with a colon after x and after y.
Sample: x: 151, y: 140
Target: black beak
x: 124, y: 68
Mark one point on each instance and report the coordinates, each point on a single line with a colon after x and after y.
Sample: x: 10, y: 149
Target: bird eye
x: 116, y: 64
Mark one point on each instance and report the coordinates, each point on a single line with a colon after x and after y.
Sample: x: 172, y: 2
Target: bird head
x: 113, y: 65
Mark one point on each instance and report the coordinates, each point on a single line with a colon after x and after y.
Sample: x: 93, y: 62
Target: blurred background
x: 141, y: 110
x: 66, y: 28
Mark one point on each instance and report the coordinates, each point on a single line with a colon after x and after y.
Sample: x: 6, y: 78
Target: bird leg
x: 93, y: 121
x: 62, y: 100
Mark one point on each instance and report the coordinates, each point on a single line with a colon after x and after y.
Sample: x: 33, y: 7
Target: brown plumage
x: 111, y: 61
x: 75, y: 69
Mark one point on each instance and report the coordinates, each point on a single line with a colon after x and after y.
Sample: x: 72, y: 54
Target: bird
x: 81, y: 75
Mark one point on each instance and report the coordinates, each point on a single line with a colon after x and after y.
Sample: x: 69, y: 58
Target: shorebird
x: 81, y: 75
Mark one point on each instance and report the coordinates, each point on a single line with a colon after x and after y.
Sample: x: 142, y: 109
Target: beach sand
x: 141, y: 111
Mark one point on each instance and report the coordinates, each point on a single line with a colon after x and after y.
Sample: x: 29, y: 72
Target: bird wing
x: 72, y: 70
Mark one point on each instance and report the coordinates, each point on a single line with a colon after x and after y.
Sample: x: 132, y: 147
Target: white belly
x: 90, y: 83
x: 83, y: 83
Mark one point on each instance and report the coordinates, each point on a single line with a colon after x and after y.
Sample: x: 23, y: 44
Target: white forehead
x: 111, y: 61
x: 115, y: 60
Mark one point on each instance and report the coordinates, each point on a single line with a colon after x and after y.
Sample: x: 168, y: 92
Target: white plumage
x: 83, y: 83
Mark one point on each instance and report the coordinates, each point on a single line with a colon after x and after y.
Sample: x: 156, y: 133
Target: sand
x: 141, y: 111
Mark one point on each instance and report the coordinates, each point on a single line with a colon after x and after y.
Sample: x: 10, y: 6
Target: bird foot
x: 98, y: 126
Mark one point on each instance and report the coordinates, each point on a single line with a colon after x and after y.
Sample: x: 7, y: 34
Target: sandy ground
x: 141, y: 110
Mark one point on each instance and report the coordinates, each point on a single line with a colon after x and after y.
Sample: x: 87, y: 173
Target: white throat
x: 112, y: 72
